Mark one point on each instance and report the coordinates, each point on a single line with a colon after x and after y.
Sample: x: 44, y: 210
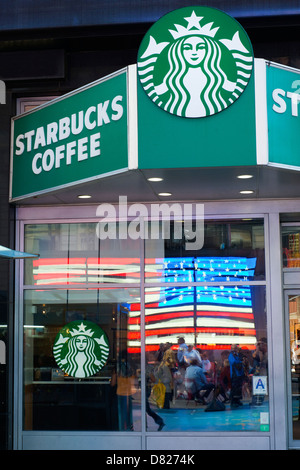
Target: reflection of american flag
x: 217, y: 316
x: 81, y: 270
x: 205, y: 269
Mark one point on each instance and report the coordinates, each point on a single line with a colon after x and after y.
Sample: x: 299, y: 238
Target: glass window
x: 25, y: 105
x: 205, y: 330
x: 294, y: 326
x: 232, y: 251
x: 78, y: 363
x: 73, y: 254
x: 207, y: 342
x: 208, y: 346
x: 291, y: 246
x: 3, y: 378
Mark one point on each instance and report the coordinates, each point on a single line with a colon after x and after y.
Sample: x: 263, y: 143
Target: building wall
x: 41, y: 59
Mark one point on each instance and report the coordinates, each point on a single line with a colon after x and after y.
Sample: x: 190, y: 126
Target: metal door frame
x: 292, y: 443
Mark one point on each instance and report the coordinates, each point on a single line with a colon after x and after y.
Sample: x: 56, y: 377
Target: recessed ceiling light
x: 84, y: 196
x: 244, y: 177
x: 247, y: 192
x: 165, y: 194
x: 155, y: 179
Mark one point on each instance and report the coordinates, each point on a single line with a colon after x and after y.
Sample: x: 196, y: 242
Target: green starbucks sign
x: 195, y: 62
x: 283, y: 115
x: 74, y: 139
x: 81, y: 348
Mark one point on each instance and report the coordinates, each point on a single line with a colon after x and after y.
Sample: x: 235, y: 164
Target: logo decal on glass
x: 195, y: 62
x: 81, y: 348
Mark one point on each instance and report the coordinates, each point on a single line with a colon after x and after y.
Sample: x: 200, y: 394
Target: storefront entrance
x: 154, y: 301
x: 293, y: 365
x: 291, y: 279
x: 144, y: 296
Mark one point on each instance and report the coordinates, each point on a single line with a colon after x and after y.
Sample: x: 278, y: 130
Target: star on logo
x: 82, y: 327
x: 193, y: 21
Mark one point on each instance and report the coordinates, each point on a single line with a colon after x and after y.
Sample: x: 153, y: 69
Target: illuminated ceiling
x: 187, y: 184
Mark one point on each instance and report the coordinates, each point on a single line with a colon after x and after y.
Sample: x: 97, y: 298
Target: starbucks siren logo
x: 81, y: 348
x: 195, y: 62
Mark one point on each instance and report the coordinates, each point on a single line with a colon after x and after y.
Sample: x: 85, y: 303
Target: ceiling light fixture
x: 84, y: 196
x: 165, y: 194
x: 246, y: 192
x: 155, y: 179
x: 244, y: 177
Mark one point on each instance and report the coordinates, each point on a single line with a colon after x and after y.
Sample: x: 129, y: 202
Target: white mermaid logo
x: 193, y: 74
x: 81, y: 349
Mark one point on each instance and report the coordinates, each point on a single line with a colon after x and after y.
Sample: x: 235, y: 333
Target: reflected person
x: 150, y: 380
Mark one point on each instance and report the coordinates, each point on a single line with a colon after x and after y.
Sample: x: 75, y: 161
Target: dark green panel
x: 224, y: 139
x: 283, y: 87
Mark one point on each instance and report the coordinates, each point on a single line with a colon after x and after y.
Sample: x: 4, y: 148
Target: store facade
x: 207, y: 251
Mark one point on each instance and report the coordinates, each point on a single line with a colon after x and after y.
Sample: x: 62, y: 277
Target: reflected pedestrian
x: 237, y: 375
x: 150, y: 380
x: 125, y: 381
x: 164, y: 374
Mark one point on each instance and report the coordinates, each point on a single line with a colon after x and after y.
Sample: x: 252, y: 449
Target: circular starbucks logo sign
x: 195, y: 62
x: 81, y: 348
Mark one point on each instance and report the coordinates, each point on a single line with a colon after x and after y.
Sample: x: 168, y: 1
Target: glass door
x: 293, y: 356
